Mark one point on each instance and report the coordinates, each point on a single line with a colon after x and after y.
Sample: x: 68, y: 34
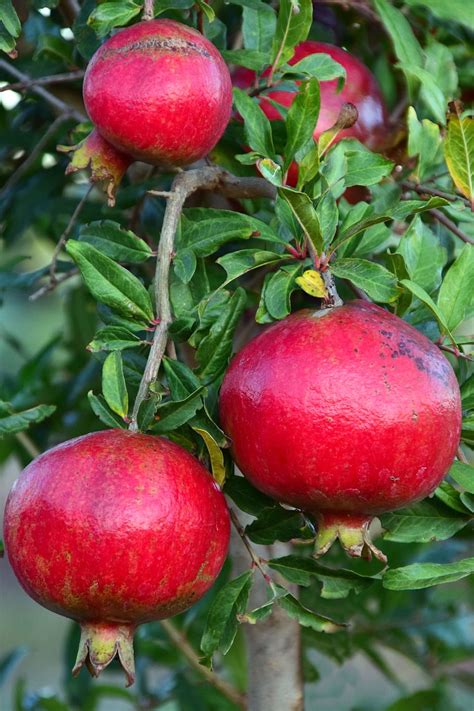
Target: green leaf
x: 457, y: 290
x: 100, y: 409
x: 246, y: 497
x: 277, y: 524
x: 430, y: 91
x: 404, y: 41
x: 249, y: 58
x: 337, y: 584
x: 293, y: 25
x: 308, y: 166
x: 55, y: 48
x: 110, y: 283
x: 451, y: 497
x: 9, y: 18
x: 113, y: 338
x: 328, y: 216
x: 276, y: 295
x: 221, y: 624
x: 467, y: 393
x: 424, y: 256
x: 176, y: 413
x: 258, y: 28
x: 270, y: 170
x: 302, y: 119
x: 19, y: 421
x: 114, y: 13
x: 307, y: 618
x: 365, y: 167
x: 321, y: 66
x: 215, y: 349
x: 207, y: 10
x: 114, y: 387
x: 7, y: 43
x: 424, y: 141
x: 463, y: 474
x: 115, y: 242
x: 424, y: 522
x: 375, y: 280
x: 303, y: 209
x: 238, y: 263
x: 425, y: 575
x: 459, y: 153
x: 454, y: 11
x: 257, y: 126
x: 428, y: 301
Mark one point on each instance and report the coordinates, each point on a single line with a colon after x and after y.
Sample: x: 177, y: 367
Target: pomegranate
x: 360, y: 89
x: 344, y: 413
x: 160, y: 92
x: 114, y: 529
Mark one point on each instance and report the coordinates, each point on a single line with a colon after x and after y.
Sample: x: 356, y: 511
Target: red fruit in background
x: 114, y: 529
x: 343, y: 413
x: 360, y: 89
x: 160, y: 92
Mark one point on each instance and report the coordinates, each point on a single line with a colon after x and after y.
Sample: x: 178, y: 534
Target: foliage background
x: 400, y: 642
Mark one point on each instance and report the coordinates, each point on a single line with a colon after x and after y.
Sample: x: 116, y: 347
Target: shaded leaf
x: 114, y: 241
x: 99, y: 408
x: 425, y: 575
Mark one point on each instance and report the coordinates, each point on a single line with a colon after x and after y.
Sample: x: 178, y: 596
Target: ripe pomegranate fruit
x: 114, y: 529
x: 160, y: 92
x: 344, y: 413
x: 360, y: 89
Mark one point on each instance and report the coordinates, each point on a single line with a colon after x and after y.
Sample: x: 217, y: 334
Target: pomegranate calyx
x: 106, y: 163
x: 99, y: 644
x: 353, y: 533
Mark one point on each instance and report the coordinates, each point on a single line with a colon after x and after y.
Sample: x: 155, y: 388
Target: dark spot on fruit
x: 388, y: 334
x: 356, y: 350
x: 414, y: 416
x: 177, y: 45
x: 395, y: 354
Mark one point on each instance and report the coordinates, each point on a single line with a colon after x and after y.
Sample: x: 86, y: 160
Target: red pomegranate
x: 344, y: 413
x: 160, y: 92
x: 360, y: 89
x: 114, y: 529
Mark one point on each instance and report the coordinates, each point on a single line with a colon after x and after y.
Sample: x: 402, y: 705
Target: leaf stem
x: 180, y: 640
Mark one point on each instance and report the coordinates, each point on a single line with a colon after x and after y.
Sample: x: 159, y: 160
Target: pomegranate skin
x: 344, y: 413
x: 114, y: 529
x: 360, y: 89
x: 160, y: 92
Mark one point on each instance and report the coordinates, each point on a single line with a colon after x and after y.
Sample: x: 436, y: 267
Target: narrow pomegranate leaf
x: 258, y: 130
x: 375, y: 280
x: 451, y: 497
x: 428, y: 301
x: 459, y: 151
x: 171, y: 415
x: 293, y: 25
x: 425, y: 575
x: 306, y: 617
x: 279, y: 524
x: 302, y: 207
x: 100, y: 409
x: 215, y: 455
x: 114, y: 387
x: 302, y: 119
x: 110, y: 283
x: 457, y: 289
x: 275, y: 298
x: 113, y: 338
x: 258, y: 27
x: 238, y: 263
x: 463, y: 474
x: 111, y: 239
x: 12, y: 422
x: 320, y: 65
x: 423, y: 254
x: 424, y: 522
x: 246, y: 496
x: 115, y: 13
x: 222, y: 623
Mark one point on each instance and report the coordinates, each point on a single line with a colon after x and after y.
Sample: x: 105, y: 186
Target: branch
x: 184, y: 185
x: 43, y: 81
x: 29, y: 160
x: 181, y: 642
x: 256, y: 560
x: 63, y: 239
x: 358, y: 5
x: 426, y: 190
x: 51, y: 287
x: 451, y: 226
x: 57, y: 104
x: 455, y: 352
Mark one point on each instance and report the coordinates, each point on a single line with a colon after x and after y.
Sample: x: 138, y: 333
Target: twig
x: 455, y: 352
x: 51, y: 287
x: 29, y: 160
x: 181, y: 642
x: 256, y: 560
x: 42, y: 81
x: 148, y: 10
x: 57, y: 104
x: 441, y: 217
x: 357, y: 5
x: 63, y: 239
x: 426, y: 190
x: 184, y: 184
x: 28, y: 444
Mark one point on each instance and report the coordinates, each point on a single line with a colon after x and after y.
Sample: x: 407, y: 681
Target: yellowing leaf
x: 215, y: 455
x: 459, y: 151
x: 312, y: 283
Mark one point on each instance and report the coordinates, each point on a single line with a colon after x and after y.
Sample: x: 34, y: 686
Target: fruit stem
x: 99, y: 644
x: 148, y: 10
x: 352, y: 530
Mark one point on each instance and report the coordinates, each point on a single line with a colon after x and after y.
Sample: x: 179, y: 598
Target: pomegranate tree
x: 160, y: 92
x: 114, y: 529
x: 344, y: 413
